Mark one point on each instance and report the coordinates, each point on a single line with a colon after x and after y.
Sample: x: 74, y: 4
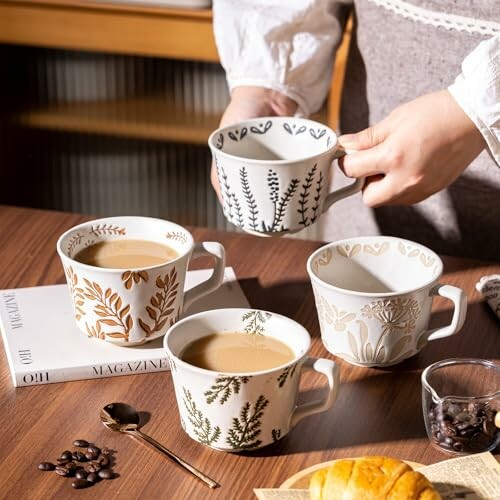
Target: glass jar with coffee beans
x: 86, y: 466
x: 461, y: 405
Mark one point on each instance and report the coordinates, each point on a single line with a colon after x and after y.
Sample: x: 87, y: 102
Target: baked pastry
x: 370, y: 478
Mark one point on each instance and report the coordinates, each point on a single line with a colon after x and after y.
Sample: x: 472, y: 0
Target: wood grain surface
x: 378, y: 410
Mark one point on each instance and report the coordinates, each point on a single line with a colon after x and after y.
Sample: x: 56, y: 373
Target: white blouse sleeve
x: 286, y: 46
x: 477, y: 91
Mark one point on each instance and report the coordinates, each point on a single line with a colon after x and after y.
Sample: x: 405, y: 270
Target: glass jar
x: 461, y: 405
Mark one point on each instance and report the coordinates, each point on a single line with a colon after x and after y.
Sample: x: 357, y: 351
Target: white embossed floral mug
x: 274, y: 173
x: 134, y: 305
x: 374, y: 296
x: 244, y: 410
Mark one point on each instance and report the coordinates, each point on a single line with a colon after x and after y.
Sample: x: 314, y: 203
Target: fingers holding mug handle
x: 459, y: 299
x: 330, y: 370
x: 346, y: 191
x: 210, y: 249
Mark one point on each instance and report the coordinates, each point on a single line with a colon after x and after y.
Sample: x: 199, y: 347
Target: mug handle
x: 459, y: 298
x: 210, y: 249
x: 330, y: 370
x: 346, y: 191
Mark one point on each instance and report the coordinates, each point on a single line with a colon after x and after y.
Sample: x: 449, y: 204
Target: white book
x: 44, y: 345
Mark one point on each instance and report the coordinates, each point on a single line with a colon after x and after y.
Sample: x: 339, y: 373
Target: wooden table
x: 377, y: 412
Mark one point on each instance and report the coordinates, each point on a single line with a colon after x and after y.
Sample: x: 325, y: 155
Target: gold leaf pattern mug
x: 133, y: 306
x: 374, y: 296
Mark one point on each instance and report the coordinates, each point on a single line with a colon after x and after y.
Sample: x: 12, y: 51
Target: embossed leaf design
x: 401, y: 248
x: 353, y: 344
x: 376, y: 249
x: 399, y: 346
x: 349, y: 251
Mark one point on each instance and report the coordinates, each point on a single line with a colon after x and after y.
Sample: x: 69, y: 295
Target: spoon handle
x: 172, y: 456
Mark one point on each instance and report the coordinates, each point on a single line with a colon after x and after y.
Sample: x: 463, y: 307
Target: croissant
x: 371, y: 478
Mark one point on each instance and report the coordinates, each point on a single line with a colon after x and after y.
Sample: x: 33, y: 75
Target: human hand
x: 419, y: 149
x: 252, y: 102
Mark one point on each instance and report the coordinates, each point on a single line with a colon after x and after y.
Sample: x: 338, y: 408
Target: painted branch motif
x: 287, y: 373
x: 255, y: 321
x: 247, y: 428
x: 304, y: 196
x: 250, y: 199
x: 131, y: 277
x: 224, y: 387
x: 202, y: 428
x: 107, y: 229
x: 161, y: 308
x: 76, y: 292
x: 280, y: 202
x: 317, y: 197
x: 276, y: 435
x: 109, y: 309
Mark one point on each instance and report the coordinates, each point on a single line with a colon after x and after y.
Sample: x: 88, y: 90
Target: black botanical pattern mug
x: 274, y: 173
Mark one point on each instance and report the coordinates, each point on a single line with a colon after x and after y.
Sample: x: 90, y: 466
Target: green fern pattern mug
x: 244, y: 411
x: 274, y: 173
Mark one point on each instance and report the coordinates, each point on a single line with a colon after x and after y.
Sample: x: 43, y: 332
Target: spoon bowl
x: 121, y: 417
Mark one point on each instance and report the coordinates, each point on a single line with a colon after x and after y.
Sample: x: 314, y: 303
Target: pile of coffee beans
x: 87, y: 465
x: 463, y: 427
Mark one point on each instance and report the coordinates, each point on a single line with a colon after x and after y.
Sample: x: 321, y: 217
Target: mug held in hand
x: 274, y: 173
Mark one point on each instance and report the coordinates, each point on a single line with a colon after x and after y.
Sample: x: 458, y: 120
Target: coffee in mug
x: 237, y: 352
x: 126, y: 276
x: 244, y: 410
x: 126, y: 254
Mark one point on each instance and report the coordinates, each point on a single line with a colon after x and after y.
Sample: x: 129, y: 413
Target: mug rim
x: 254, y: 161
x: 64, y: 255
x: 236, y: 310
x: 319, y: 281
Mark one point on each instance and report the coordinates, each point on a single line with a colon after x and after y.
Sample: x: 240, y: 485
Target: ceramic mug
x: 133, y: 306
x: 374, y: 296
x: 274, y: 173
x: 244, y: 411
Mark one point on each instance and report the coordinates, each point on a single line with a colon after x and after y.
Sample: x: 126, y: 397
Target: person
x: 420, y: 105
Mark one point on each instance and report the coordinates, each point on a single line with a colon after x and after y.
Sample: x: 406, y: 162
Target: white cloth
x: 477, y: 91
x: 286, y: 46
x: 289, y: 47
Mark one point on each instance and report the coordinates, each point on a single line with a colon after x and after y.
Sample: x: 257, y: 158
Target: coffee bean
x: 93, y: 477
x: 78, y: 484
x: 93, y: 466
x: 94, y: 450
x: 462, y: 427
x: 66, y: 455
x: 81, y: 474
x: 106, y: 474
x: 46, y: 466
x: 106, y: 451
x: 81, y: 443
x: 90, y: 456
x: 63, y: 461
x: 103, y: 460
x: 62, y: 471
x: 79, y: 456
